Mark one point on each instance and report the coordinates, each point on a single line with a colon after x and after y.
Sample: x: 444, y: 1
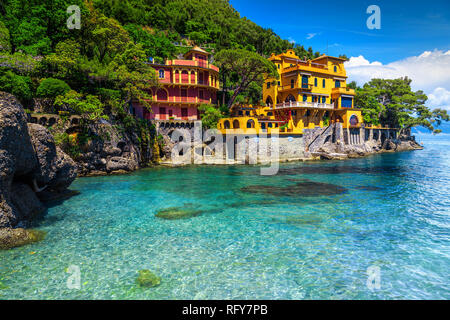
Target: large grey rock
x: 120, y: 163
x: 56, y: 169
x: 17, y: 157
x: 14, y: 137
x: 29, y: 160
x: 26, y: 203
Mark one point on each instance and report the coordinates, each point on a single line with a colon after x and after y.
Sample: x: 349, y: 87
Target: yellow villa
x: 307, y: 94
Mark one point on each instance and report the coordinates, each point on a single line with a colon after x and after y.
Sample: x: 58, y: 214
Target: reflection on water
x: 309, y: 232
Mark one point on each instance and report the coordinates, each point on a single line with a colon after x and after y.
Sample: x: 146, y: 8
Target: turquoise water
x: 311, y: 235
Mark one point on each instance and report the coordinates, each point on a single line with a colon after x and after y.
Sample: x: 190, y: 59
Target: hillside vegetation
x: 98, y: 70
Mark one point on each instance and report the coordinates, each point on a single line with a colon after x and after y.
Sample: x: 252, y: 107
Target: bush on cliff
x: 210, y: 115
x: 19, y: 86
x: 51, y: 88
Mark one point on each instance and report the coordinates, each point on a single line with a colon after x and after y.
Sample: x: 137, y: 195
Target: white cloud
x: 429, y: 72
x: 311, y: 35
x: 439, y: 98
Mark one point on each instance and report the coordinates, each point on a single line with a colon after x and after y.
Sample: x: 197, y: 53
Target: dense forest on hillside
x: 98, y: 70
x: 36, y: 43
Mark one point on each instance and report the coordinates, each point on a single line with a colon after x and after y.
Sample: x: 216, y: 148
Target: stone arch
x: 250, y: 123
x: 43, y: 121
x: 269, y: 101
x: 290, y: 98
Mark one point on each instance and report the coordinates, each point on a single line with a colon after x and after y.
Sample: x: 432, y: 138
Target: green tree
x: 88, y: 107
x: 156, y: 45
x: 51, y: 88
x: 210, y: 116
x: 371, y: 108
x: 64, y: 62
x: 36, y: 26
x: 5, y: 45
x: 399, y: 106
x: 245, y: 67
x: 19, y: 86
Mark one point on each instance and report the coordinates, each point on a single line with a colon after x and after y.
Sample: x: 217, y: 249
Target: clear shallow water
x: 394, y: 214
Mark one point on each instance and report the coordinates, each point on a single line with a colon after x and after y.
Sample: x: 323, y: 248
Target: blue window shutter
x: 346, y: 102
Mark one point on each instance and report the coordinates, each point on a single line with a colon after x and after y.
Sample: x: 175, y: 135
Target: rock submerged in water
x: 301, y: 189
x: 176, y: 213
x: 12, y: 238
x: 147, y: 279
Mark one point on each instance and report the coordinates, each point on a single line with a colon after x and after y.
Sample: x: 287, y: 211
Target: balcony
x: 304, y: 86
x: 343, y: 90
x: 304, y: 104
x: 192, y: 63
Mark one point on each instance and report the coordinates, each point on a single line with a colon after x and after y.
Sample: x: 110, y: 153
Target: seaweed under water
x: 326, y: 170
x: 303, y: 189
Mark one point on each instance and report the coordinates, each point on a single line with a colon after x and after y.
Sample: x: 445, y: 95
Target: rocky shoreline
x: 34, y: 170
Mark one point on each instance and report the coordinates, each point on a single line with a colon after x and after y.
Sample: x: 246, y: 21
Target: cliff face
x: 32, y: 168
x: 104, y: 148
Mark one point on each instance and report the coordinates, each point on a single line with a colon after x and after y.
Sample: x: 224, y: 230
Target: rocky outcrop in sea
x: 32, y: 169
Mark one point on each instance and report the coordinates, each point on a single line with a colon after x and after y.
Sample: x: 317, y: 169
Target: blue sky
x: 414, y: 39
x: 408, y: 28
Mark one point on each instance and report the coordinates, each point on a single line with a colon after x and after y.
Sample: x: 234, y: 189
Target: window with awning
x: 347, y: 102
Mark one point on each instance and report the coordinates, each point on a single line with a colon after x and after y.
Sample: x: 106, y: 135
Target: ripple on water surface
x: 310, y: 232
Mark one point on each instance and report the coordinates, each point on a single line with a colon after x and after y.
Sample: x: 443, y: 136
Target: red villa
x: 185, y: 85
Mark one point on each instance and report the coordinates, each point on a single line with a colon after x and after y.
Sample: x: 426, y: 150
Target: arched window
x: 292, y: 83
x: 161, y: 95
x: 236, y: 124
x: 269, y: 101
x: 250, y: 123
x: 315, y: 82
x: 324, y: 99
x: 161, y: 74
x: 353, y: 120
x: 323, y: 83
x: 305, y: 98
x: 290, y: 98
x: 270, y: 125
x: 184, y: 76
x: 335, y: 69
x: 226, y: 124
